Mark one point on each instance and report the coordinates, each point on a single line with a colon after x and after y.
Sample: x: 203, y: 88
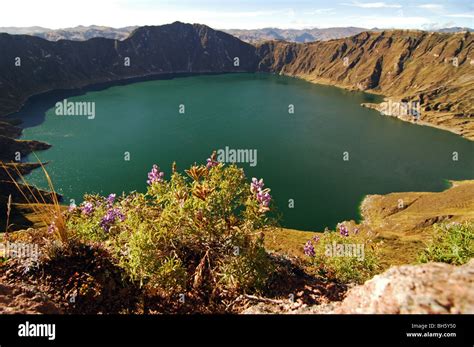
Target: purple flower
x: 316, y: 239
x: 343, y: 230
x: 309, y: 249
x: 88, y: 208
x: 155, y: 175
x: 110, y: 218
x: 263, y: 195
x: 211, y: 163
x: 72, y: 208
x: 111, y: 199
x: 264, y: 198
x: 256, y: 185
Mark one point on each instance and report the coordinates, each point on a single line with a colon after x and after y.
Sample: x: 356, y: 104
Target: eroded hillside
x: 434, y: 69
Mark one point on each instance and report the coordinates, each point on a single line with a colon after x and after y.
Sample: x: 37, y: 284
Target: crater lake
x: 319, y: 161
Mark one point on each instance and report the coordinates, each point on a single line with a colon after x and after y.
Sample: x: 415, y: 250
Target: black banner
x: 452, y: 330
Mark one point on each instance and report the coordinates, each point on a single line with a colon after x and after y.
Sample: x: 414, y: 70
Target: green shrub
x: 452, y: 243
x: 343, y: 256
x: 199, y: 231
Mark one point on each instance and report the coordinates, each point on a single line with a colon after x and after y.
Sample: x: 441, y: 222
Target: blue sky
x: 243, y: 14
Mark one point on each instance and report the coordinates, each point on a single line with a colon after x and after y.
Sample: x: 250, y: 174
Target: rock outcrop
x: 433, y: 288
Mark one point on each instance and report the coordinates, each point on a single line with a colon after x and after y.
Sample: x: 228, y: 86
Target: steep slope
x: 64, y: 64
x: 434, y: 69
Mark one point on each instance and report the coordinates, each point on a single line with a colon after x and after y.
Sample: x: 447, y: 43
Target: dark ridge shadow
x: 33, y: 112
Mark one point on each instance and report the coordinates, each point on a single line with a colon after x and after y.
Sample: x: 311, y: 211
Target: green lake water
x: 300, y: 155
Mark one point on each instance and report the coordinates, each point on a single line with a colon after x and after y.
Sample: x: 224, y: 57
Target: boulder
x: 432, y: 288
x: 427, y: 288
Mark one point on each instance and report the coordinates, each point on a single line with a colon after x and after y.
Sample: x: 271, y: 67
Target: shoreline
x: 101, y: 85
x: 375, y: 106
x: 419, y: 122
x: 404, y: 231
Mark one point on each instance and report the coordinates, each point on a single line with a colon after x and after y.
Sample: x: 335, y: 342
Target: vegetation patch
x: 452, y: 243
x: 192, y: 243
x: 343, y: 255
x: 201, y: 241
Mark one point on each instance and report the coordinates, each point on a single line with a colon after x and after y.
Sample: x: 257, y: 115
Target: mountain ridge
x: 254, y: 36
x: 436, y: 70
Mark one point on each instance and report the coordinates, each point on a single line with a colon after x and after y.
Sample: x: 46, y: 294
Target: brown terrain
x: 434, y: 69
x: 402, y: 221
x: 19, y: 300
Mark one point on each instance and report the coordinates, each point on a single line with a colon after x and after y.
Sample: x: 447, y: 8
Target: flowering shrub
x: 201, y: 230
x: 452, y: 243
x: 344, y: 256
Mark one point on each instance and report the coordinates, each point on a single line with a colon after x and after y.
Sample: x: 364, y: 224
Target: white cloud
x: 320, y: 11
x: 372, y: 5
x: 389, y: 22
x: 461, y: 15
x: 435, y: 7
x: 118, y: 13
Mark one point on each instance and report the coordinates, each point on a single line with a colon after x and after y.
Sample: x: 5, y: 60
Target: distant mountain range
x: 79, y: 33
x: 82, y: 33
x: 454, y: 30
x: 294, y: 35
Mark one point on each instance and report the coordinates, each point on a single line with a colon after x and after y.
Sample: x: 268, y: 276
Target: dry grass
x: 403, y: 233
x: 49, y: 215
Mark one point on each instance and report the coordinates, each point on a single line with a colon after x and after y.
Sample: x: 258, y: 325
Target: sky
x: 241, y: 14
